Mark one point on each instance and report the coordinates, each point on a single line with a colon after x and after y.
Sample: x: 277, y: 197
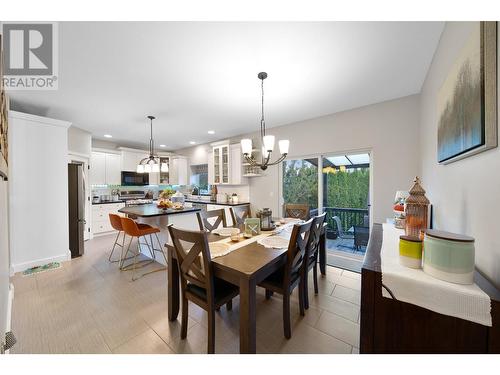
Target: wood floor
x: 89, y: 306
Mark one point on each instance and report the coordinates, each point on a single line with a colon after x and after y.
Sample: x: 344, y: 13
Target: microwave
x: 134, y: 179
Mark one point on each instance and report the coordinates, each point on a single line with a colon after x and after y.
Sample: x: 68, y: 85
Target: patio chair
x: 340, y: 231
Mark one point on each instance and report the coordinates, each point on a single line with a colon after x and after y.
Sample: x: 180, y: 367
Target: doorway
x: 338, y: 184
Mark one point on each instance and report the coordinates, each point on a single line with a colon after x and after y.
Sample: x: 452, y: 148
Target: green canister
x: 449, y: 256
x: 410, y: 251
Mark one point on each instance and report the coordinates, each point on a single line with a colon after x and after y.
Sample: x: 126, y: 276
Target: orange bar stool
x: 137, y: 230
x: 116, y: 223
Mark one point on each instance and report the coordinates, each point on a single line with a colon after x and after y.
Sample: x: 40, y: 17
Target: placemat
x: 414, y: 286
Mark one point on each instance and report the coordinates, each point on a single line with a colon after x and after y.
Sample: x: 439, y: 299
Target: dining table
x: 245, y: 267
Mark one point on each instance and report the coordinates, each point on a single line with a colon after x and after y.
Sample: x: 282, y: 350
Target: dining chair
x: 312, y: 252
x: 239, y: 214
x: 204, y: 222
x: 288, y: 277
x: 139, y: 230
x: 198, y: 283
x: 297, y: 211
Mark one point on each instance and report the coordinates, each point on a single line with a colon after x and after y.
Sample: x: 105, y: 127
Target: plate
x: 226, y: 232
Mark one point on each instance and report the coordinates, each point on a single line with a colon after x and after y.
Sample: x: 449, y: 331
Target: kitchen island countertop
x: 216, y: 203
x: 151, y: 210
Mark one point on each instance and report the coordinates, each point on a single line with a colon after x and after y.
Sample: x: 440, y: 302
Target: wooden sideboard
x: 392, y: 326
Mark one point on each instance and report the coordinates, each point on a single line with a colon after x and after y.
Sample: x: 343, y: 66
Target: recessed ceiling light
x: 108, y: 136
x: 163, y: 146
x: 192, y: 142
x: 211, y: 132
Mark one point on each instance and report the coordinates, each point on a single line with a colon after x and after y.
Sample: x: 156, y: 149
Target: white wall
x: 389, y: 130
x: 38, y: 190
x: 465, y: 194
x: 79, y: 141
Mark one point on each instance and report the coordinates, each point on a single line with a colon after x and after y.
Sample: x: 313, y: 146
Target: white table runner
x: 414, y: 286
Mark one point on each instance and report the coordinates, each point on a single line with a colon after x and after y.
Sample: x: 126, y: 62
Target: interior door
x: 4, y: 261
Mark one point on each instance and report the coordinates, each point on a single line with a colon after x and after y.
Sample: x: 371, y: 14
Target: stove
x: 137, y: 202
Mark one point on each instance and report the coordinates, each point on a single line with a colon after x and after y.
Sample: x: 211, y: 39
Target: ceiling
x: 200, y: 76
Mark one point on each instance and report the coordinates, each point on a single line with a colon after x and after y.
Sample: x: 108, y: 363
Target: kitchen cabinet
x: 97, y: 168
x: 105, y: 169
x: 100, y: 216
x: 225, y: 165
x: 178, y: 171
x: 221, y: 164
x: 236, y: 164
x: 113, y: 169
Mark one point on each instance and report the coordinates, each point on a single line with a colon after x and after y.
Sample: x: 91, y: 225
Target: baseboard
x: 19, y: 267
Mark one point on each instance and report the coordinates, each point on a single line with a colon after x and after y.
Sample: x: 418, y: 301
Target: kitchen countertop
x: 150, y: 210
x: 109, y: 202
x: 217, y: 203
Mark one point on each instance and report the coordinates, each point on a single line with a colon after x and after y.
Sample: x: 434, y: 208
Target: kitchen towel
x: 414, y: 286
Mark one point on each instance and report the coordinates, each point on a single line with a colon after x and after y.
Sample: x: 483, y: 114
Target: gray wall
x: 389, y: 130
x: 464, y: 193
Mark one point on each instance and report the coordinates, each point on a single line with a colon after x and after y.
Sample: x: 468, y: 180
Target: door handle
x: 82, y: 221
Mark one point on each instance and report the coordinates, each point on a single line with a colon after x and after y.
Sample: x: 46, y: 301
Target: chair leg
x: 211, y: 331
x: 124, y: 256
x: 315, y: 278
x: 305, y: 283
x: 286, y: 315
x: 302, y: 298
x: 269, y: 294
x: 229, y: 305
x: 161, y: 249
x: 114, y: 245
x: 184, y: 319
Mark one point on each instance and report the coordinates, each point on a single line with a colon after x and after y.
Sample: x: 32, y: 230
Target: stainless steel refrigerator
x: 76, y: 204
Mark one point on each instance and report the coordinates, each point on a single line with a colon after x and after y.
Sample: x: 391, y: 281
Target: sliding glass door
x: 300, y: 182
x: 338, y: 184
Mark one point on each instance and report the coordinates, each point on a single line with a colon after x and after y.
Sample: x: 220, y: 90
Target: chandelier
x: 152, y: 162
x: 267, y: 141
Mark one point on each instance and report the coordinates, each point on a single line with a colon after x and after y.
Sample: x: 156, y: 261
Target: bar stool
x: 116, y: 223
x: 137, y: 230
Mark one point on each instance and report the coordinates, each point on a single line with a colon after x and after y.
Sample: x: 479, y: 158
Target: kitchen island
x: 160, y: 218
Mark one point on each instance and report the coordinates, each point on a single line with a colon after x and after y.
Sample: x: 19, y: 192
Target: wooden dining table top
x: 248, y: 259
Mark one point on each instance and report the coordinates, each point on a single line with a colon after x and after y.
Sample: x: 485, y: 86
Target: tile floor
x: 89, y: 306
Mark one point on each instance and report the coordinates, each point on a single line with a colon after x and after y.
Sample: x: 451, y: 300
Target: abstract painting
x: 467, y: 99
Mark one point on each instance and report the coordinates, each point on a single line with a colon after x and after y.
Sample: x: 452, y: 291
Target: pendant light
x: 151, y: 163
x: 267, y: 141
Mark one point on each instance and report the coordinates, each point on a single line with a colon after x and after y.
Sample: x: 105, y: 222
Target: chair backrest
x: 340, y: 230
x: 315, y: 234
x: 205, y: 224
x: 116, y: 221
x: 130, y: 227
x: 193, y: 258
x: 239, y: 214
x: 297, y: 249
x: 297, y: 211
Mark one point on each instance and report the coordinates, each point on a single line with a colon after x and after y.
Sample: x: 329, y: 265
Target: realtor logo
x: 30, y: 56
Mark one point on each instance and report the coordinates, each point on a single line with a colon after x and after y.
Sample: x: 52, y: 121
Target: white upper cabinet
x: 105, y: 169
x: 178, y: 171
x: 225, y: 165
x: 113, y: 169
x: 236, y: 164
x: 221, y: 164
x: 97, y: 168
x: 130, y: 160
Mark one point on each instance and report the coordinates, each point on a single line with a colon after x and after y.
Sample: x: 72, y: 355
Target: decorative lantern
x: 416, y: 210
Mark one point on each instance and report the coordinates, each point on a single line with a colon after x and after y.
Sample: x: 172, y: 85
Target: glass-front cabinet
x: 221, y: 164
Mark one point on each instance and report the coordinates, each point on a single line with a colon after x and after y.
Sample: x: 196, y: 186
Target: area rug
x: 39, y: 269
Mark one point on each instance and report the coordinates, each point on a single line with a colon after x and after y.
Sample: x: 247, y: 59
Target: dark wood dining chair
x: 198, y: 283
x: 312, y: 252
x: 287, y: 278
x: 239, y: 214
x: 297, y: 211
x: 204, y: 222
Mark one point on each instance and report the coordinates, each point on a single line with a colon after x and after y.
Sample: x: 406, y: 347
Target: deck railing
x: 349, y: 217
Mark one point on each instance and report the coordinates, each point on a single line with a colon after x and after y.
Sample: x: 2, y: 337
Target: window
x: 199, y: 177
